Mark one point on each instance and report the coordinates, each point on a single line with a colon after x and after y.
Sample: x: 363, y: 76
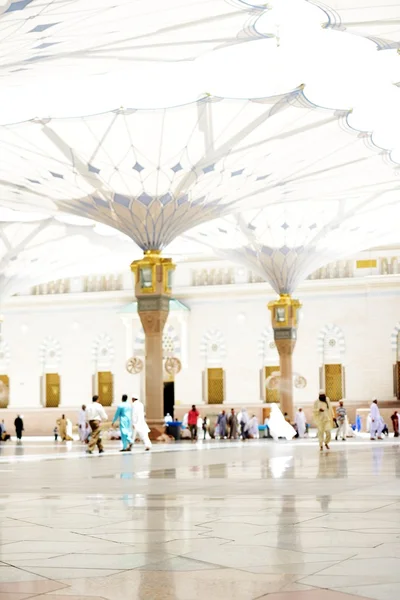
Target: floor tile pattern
x: 263, y: 520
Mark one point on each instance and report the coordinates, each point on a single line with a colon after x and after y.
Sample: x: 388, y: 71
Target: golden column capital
x: 284, y: 312
x: 153, y: 274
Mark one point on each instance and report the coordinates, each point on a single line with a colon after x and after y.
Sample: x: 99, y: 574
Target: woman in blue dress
x: 123, y: 414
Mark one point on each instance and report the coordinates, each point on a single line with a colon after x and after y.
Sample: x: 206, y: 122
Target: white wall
x: 367, y: 312
x: 366, y: 316
x: 76, y: 331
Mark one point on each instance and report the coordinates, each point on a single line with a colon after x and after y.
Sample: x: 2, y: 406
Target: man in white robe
x: 369, y: 423
x: 168, y: 419
x: 376, y: 421
x: 69, y: 429
x: 140, y: 427
x: 341, y: 419
x: 300, y: 422
x: 243, y: 419
x: 82, y: 424
x: 252, y: 428
x: 278, y: 426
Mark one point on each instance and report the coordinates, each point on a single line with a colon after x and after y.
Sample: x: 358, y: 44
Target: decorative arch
x: 267, y: 350
x: 171, y: 342
x: 103, y: 350
x: 50, y: 353
x: 331, y: 341
x: 331, y: 348
x: 213, y: 346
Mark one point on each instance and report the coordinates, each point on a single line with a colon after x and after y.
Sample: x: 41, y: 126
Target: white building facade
x: 218, y: 327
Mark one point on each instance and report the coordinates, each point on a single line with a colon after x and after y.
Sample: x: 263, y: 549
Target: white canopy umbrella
x: 377, y: 21
x: 155, y: 174
x: 96, y: 36
x: 339, y: 69
x: 82, y: 56
x: 285, y: 242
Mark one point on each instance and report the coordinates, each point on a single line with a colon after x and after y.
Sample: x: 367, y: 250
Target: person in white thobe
x: 69, y: 429
x: 168, y: 419
x: 349, y: 429
x: 369, y: 423
x: 278, y: 426
x: 82, y: 424
x: 243, y: 419
x: 341, y: 419
x: 140, y: 427
x: 252, y: 428
x: 300, y: 422
x: 376, y: 421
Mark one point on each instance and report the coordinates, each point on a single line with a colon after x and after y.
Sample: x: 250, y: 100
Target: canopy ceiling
x: 286, y: 242
x: 308, y: 167
x: 378, y: 21
x: 155, y: 174
x: 93, y: 36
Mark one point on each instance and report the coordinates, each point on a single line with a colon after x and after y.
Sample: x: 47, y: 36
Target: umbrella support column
x: 153, y: 322
x: 285, y: 349
x: 153, y: 291
x: 284, y: 317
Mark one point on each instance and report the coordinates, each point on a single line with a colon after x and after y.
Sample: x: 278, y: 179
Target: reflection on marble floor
x: 238, y: 521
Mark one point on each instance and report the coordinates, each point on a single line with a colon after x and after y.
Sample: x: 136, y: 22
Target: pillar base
x: 157, y: 428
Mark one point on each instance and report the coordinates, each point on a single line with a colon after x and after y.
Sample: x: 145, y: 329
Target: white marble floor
x: 218, y: 520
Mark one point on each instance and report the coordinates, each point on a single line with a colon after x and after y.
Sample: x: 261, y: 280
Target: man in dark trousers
x: 192, y: 422
x: 19, y: 427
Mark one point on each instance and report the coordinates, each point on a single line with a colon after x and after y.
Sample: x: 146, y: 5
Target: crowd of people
x: 93, y: 420
x: 226, y: 426
x: 235, y: 425
x: 19, y: 428
x: 327, y: 419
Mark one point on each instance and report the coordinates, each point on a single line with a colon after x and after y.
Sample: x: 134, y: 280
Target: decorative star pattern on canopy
x: 94, y: 36
x: 155, y: 174
x: 286, y: 242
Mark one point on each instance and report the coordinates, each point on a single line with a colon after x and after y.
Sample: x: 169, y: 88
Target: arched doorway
x: 50, y: 380
x: 213, y: 350
x: 331, y: 349
x: 103, y: 353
